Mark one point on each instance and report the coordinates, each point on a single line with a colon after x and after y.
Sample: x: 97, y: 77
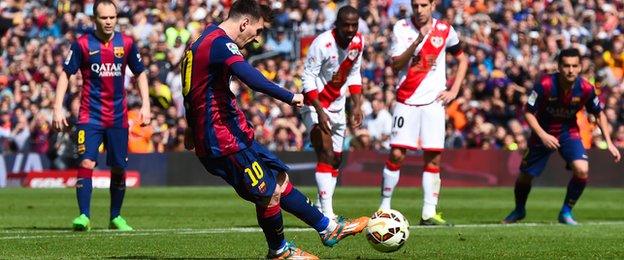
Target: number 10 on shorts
x: 255, y: 173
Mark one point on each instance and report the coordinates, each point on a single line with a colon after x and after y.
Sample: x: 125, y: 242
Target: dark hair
x: 345, y: 11
x: 250, y: 8
x: 99, y: 2
x: 570, y: 52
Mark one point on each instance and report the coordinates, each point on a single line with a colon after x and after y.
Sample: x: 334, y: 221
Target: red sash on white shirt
x: 331, y: 91
x: 422, y: 63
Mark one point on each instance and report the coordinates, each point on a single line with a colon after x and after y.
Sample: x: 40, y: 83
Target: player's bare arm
x: 398, y: 62
x: 605, y: 128
x: 146, y: 114
x: 60, y: 122
x: 355, y: 120
x: 549, y: 141
x: 448, y: 96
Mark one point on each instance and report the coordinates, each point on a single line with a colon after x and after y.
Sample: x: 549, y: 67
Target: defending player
x: 551, y: 113
x: 332, y: 67
x: 102, y: 57
x: 419, y: 46
x: 224, y: 140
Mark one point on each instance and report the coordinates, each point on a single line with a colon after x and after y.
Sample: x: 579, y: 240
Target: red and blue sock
x: 270, y: 220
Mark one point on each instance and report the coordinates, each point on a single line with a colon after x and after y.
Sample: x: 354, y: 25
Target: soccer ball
x: 387, y: 230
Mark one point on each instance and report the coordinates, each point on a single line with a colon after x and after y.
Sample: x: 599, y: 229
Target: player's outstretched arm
x: 256, y: 81
x: 146, y: 114
x: 605, y: 128
x: 549, y: 141
x: 59, y: 114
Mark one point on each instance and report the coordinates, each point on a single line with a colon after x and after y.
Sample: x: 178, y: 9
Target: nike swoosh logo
x: 93, y: 52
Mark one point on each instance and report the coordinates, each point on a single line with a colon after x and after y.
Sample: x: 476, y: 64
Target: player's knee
x: 580, y: 169
x: 337, y: 160
x: 582, y: 173
x: 88, y: 164
x: 397, y: 156
x: 327, y: 157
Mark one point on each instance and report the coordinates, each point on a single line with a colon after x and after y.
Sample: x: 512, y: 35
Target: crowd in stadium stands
x: 509, y: 43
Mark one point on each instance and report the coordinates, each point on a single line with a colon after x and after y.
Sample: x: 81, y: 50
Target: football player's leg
x: 116, y: 140
x: 294, y: 202
x: 326, y: 183
x: 89, y: 139
x: 575, y: 156
x: 532, y: 165
x: 391, y: 173
x: 405, y: 135
x: 431, y: 189
x: 432, y: 131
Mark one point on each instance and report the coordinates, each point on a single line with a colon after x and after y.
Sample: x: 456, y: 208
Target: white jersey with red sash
x: 424, y: 77
x: 329, y: 70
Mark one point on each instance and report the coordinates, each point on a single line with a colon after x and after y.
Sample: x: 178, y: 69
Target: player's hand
x: 146, y: 116
x: 297, y: 100
x: 60, y: 122
x: 615, y: 152
x: 447, y: 96
x: 550, y: 141
x: 419, y: 39
x: 323, y: 121
x: 189, y: 140
x: 356, y: 118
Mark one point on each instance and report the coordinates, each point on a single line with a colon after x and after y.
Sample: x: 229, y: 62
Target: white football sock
x: 431, y: 189
x: 326, y: 184
x: 330, y: 227
x: 390, y: 180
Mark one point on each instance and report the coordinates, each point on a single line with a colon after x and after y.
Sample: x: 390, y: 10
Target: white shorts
x: 418, y: 127
x: 337, y: 121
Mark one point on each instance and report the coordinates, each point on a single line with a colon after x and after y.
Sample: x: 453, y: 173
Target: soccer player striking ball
x: 102, y: 57
x: 551, y: 112
x: 418, y: 51
x: 332, y: 67
x: 224, y: 140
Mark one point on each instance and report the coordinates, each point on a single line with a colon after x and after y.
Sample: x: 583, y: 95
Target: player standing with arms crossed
x: 332, y: 68
x: 418, y: 51
x: 551, y: 113
x: 102, y: 57
x: 223, y: 139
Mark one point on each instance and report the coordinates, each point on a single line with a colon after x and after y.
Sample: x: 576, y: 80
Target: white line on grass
x: 188, y: 231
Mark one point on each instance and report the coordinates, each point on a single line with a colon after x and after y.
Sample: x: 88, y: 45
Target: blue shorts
x: 115, y: 140
x: 252, y: 172
x: 536, y: 157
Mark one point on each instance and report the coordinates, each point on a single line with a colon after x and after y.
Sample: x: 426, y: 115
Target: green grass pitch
x: 212, y: 222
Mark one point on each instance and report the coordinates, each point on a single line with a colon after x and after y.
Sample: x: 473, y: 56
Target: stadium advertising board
x: 67, y: 179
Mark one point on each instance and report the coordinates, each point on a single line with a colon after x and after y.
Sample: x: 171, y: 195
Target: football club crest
x: 353, y: 54
x: 437, y: 41
x: 119, y: 52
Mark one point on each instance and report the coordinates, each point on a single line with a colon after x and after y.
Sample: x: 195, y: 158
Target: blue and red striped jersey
x: 103, y: 66
x: 219, y: 126
x: 556, y: 108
